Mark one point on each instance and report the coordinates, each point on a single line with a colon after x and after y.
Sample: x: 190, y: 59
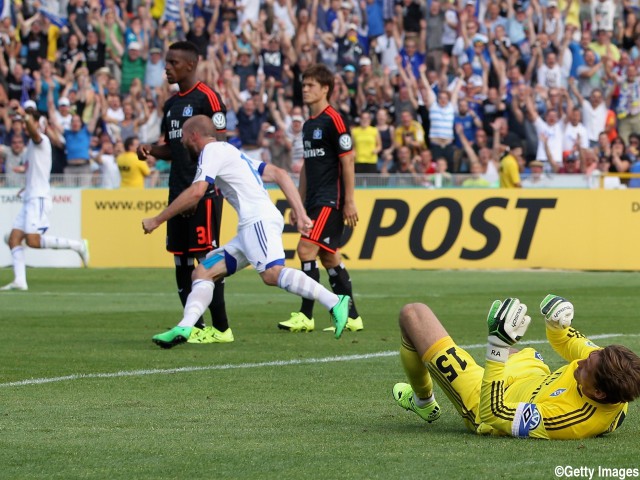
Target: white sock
x: 59, y: 243
x: 197, y: 302
x: 19, y: 267
x: 421, y: 402
x: 297, y: 282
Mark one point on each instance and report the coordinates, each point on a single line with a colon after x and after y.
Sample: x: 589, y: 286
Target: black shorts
x: 328, y: 227
x: 199, y: 233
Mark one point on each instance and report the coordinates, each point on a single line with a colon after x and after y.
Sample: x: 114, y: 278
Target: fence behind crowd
x: 398, y: 228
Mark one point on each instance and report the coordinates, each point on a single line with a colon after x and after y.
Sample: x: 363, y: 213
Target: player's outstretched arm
x: 188, y: 199
x: 569, y: 343
x: 271, y: 173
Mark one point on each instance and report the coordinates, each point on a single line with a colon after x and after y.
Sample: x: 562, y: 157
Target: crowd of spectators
x: 430, y: 88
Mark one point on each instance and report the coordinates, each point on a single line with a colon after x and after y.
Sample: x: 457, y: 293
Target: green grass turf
x: 332, y: 419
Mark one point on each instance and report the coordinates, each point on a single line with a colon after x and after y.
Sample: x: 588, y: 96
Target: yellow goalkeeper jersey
x: 532, y: 402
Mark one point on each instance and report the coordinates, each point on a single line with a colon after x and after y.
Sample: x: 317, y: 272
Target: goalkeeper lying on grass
x: 516, y: 393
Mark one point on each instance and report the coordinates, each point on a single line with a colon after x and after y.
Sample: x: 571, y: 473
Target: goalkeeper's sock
x: 340, y: 282
x: 311, y: 270
x: 422, y: 402
x: 296, y: 282
x: 416, y: 371
x: 198, y: 301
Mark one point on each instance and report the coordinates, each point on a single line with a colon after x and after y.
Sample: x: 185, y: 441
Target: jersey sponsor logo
x: 538, y: 356
x: 188, y: 111
x: 317, y: 134
x: 345, y: 141
x: 313, y: 152
x: 558, y: 392
x: 219, y: 120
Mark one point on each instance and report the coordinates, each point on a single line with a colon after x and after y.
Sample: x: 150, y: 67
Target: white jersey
x: 239, y: 179
x: 38, y: 169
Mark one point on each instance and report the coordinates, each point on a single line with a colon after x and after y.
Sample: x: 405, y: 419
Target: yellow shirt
x: 601, y: 50
x: 509, y: 172
x: 132, y: 170
x: 364, y: 142
x: 415, y: 131
x: 542, y: 404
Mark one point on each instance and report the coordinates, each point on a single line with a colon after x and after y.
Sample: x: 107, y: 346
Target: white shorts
x: 258, y: 245
x: 34, y: 216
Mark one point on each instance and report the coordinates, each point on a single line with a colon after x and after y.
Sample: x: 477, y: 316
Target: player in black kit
x: 190, y: 237
x: 327, y: 188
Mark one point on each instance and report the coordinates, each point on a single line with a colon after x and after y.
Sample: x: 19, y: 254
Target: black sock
x: 311, y: 270
x: 218, y: 309
x: 184, y: 269
x: 340, y: 282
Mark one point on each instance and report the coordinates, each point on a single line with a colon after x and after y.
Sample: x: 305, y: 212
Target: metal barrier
x: 430, y: 181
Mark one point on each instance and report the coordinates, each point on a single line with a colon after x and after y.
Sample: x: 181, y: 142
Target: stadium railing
x: 431, y: 181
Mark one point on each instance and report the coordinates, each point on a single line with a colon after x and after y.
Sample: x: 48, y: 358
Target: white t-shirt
x: 239, y: 178
x: 555, y: 134
x: 571, y: 135
x: 38, y: 169
x: 594, y: 119
x: 110, y: 172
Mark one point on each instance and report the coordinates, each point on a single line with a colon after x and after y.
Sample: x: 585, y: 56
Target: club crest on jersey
x: 558, y: 392
x: 188, y: 111
x: 219, y: 120
x: 317, y: 134
x: 168, y: 113
x: 345, y: 141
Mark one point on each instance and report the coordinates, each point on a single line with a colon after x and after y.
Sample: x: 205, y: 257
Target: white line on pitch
x: 274, y: 363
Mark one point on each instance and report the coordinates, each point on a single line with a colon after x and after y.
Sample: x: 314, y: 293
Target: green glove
x: 507, y: 323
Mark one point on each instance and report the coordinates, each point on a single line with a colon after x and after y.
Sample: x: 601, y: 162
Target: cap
x: 134, y: 46
x: 364, y: 61
x: 155, y: 50
x: 536, y: 163
x: 297, y: 118
x: 103, y: 71
x: 552, y: 3
x: 29, y: 104
x: 480, y: 38
x: 471, y: 2
x: 352, y: 26
x: 64, y: 102
x: 349, y: 68
x: 346, y: 5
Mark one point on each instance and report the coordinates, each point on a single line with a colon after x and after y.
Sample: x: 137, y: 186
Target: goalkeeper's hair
x: 618, y: 374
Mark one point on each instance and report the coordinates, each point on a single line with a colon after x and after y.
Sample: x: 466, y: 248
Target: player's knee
x: 271, y: 275
x: 413, y: 313
x: 33, y: 242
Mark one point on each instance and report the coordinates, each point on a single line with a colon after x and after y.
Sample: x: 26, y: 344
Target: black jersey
x: 326, y: 138
x: 200, y: 100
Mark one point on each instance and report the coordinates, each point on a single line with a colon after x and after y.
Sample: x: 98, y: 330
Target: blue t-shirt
x: 77, y: 143
x: 468, y: 126
x: 635, y: 168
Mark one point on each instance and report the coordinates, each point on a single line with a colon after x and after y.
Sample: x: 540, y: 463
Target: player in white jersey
x: 33, y: 220
x: 259, y: 237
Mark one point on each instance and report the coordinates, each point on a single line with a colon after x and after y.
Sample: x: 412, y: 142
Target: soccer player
x: 194, y: 233
x: 516, y: 394
x: 33, y: 220
x: 327, y: 187
x: 259, y: 238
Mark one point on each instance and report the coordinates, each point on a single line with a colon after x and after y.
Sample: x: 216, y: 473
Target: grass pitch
x: 85, y: 394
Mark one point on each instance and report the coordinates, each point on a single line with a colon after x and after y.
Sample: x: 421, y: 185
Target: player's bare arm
x: 272, y: 173
x: 158, y: 151
x: 349, y: 211
x: 302, y: 190
x: 185, y: 201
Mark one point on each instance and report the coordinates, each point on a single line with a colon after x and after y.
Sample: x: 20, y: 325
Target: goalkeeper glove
x: 507, y: 322
x: 557, y: 311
